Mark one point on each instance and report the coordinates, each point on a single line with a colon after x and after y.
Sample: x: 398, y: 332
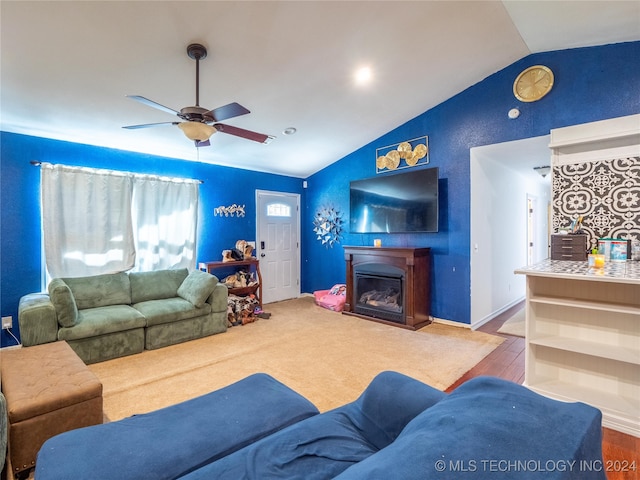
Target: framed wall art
x: 409, y: 153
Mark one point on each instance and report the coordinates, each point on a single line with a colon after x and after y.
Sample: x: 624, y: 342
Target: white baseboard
x: 451, y: 323
x: 491, y: 316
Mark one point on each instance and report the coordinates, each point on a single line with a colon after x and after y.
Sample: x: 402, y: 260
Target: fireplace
x: 389, y: 285
x: 379, y: 293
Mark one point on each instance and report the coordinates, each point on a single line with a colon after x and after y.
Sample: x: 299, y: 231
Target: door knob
x: 262, y: 255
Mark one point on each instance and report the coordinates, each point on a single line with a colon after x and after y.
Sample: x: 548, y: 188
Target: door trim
x: 259, y: 218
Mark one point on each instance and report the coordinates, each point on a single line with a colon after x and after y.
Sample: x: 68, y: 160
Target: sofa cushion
x: 197, y: 287
x: 64, y: 303
x: 173, y: 441
x: 156, y: 285
x: 490, y: 427
x: 325, y: 445
x: 93, y: 322
x: 170, y: 310
x: 100, y: 290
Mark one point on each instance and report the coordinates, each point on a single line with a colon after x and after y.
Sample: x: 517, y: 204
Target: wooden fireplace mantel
x: 416, y: 265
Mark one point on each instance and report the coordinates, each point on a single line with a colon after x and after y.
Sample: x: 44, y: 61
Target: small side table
x: 254, y: 263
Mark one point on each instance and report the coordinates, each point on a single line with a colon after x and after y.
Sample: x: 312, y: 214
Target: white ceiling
x: 67, y: 66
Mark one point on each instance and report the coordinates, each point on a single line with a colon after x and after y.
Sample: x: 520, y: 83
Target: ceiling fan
x: 198, y: 123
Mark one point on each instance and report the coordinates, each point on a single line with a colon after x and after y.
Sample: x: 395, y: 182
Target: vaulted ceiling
x: 66, y: 67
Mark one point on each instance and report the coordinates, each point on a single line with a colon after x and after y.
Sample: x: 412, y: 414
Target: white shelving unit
x: 583, y: 337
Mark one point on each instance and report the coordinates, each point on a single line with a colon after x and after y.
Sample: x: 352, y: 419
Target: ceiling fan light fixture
x: 197, y: 131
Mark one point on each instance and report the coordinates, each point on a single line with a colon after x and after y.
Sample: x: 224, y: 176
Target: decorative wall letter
x: 230, y: 211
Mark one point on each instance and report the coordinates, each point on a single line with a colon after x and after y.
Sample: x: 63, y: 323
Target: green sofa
x: 107, y: 316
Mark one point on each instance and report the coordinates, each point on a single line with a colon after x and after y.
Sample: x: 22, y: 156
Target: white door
x: 277, y: 245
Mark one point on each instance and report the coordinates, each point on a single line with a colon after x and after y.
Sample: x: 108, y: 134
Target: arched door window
x: 278, y: 210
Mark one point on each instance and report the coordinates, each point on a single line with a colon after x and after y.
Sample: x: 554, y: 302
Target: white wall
x: 502, y: 177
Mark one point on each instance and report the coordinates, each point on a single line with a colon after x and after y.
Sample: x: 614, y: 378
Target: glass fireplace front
x: 379, y: 294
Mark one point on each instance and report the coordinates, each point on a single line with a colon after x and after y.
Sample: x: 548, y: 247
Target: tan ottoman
x: 49, y: 390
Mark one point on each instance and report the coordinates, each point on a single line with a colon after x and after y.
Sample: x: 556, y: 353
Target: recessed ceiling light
x: 363, y: 75
x: 289, y: 131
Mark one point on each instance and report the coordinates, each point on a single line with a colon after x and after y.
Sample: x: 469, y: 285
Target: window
x: 278, y: 210
x: 101, y: 221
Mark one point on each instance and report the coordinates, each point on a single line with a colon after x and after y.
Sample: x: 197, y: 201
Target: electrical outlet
x: 7, y: 322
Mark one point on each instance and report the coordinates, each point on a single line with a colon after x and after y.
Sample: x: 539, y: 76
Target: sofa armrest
x: 390, y: 402
x: 487, y: 422
x: 218, y: 298
x: 37, y: 319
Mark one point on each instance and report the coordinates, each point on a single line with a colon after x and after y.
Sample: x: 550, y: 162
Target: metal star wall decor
x: 327, y: 225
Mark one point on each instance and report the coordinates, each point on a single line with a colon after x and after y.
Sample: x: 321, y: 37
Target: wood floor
x: 621, y: 453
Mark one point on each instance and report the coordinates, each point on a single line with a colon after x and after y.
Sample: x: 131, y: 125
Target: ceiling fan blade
x: 151, y: 103
x: 241, y: 132
x: 147, y: 125
x: 228, y: 111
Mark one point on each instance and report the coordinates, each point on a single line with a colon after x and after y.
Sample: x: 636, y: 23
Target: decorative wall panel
x: 606, y: 193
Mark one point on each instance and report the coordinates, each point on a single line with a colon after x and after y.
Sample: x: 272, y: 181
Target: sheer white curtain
x: 165, y: 213
x: 86, y: 221
x: 101, y: 221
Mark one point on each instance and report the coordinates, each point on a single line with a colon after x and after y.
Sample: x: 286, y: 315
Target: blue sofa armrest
x: 488, y: 428
x: 386, y: 406
x: 168, y: 443
x: 323, y: 446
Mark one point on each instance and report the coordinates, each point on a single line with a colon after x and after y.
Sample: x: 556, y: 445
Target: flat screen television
x: 395, y: 203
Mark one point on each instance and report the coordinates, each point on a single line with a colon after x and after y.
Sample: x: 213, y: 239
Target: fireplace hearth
x: 389, y: 285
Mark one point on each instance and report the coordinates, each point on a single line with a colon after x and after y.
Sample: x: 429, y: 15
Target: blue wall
x: 590, y: 84
x: 20, y: 239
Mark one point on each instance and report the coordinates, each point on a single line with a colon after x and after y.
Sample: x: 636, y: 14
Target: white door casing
x: 277, y: 244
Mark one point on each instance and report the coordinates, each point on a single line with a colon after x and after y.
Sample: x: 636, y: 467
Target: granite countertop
x: 612, y: 271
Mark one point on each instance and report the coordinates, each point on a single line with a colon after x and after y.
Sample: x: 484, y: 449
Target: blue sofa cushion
x: 323, y: 446
x: 489, y: 428
x: 170, y: 442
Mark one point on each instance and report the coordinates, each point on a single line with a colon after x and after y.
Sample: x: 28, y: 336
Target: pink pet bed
x: 333, y: 299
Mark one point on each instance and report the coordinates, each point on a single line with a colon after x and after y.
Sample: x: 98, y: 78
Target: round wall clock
x: 533, y: 83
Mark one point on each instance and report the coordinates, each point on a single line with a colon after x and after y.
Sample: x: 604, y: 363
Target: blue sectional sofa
x: 398, y: 428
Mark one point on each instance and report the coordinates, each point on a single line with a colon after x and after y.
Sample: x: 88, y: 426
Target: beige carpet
x: 514, y: 325
x: 326, y: 356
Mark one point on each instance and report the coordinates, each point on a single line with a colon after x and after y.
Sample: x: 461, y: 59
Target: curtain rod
x: 36, y: 163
